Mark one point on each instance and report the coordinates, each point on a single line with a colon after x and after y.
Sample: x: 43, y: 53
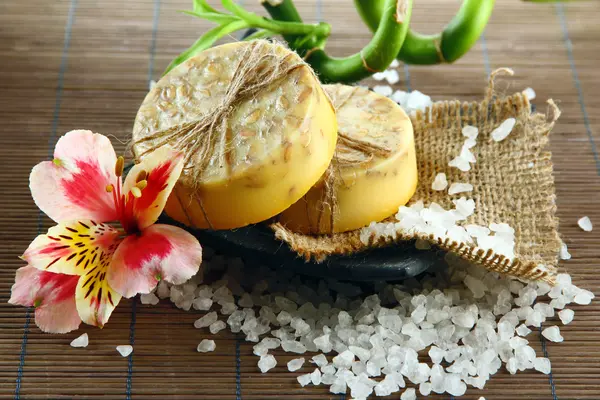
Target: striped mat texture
x: 69, y: 64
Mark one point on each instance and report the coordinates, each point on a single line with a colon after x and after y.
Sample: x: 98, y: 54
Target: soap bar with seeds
x: 271, y: 147
x: 373, y: 172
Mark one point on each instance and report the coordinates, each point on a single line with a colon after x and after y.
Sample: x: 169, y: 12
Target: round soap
x: 274, y: 136
x: 373, y: 172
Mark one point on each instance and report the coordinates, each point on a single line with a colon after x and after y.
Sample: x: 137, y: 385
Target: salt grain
x: 460, y: 188
x: 320, y: 360
x: 502, y: 131
x: 585, y: 223
x: 542, y: 364
x: 383, y: 90
x: 409, y: 394
x: 564, y: 252
x: 266, y: 363
x: 566, y: 316
x: 440, y: 182
x: 80, y: 341
x: 216, y: 327
x: 149, y: 298
x: 552, y: 333
x: 295, y: 364
x: 125, y: 350
x: 206, y: 320
x: 460, y: 163
x: 529, y: 93
x: 206, y: 345
x: 470, y: 132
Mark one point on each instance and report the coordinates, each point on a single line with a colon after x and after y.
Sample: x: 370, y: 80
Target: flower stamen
x: 142, y: 184
x: 110, y: 188
x: 119, y: 166
x: 136, y: 192
x: 141, y: 176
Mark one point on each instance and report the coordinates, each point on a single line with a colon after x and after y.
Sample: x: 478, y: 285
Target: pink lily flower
x: 82, y: 190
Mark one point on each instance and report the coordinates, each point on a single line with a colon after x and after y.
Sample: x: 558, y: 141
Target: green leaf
x: 207, y: 40
x: 203, y: 6
x: 214, y: 17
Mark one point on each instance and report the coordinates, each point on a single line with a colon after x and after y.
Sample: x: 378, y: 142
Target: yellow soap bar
x: 373, y: 172
x: 271, y: 147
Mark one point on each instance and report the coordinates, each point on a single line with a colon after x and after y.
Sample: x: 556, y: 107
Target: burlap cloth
x: 512, y: 183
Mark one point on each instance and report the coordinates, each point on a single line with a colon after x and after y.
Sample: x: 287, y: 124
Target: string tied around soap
x: 350, y: 151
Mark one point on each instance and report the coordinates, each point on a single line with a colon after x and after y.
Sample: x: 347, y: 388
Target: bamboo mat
x: 69, y: 64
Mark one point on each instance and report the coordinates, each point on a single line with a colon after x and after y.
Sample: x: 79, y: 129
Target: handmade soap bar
x: 256, y: 128
x: 373, y: 171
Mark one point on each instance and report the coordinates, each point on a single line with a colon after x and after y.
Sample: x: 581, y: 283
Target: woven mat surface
x: 69, y: 64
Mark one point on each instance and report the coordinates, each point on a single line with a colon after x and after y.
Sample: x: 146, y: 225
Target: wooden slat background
x: 67, y: 64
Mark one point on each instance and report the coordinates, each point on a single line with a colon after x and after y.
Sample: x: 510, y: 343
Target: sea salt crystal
x: 584, y: 297
x: 362, y: 354
x: 464, y: 319
x: 217, y: 326
x: 344, y: 359
x: 383, y: 90
x: 440, y: 182
x: 425, y: 388
x: 338, y: 386
x: 566, y: 316
x: 502, y: 131
x: 409, y: 394
x: 125, y: 350
x: 379, y: 76
x: 315, y: 377
x: 386, y: 386
x: 202, y: 304
x: 295, y: 364
x: 436, y: 354
x: 206, y: 320
x: 529, y: 93
x: 564, y: 252
x: 266, y: 363
x: 304, y: 379
x: 542, y: 364
x: 552, y: 333
x: 460, y: 163
x: 80, y: 341
x: 206, y: 345
x: 417, y: 101
x: 149, y: 298
x: 460, y: 188
x: 585, y: 223
x: 392, y: 76
x: 292, y: 346
x: 523, y: 330
x: 470, y: 132
x: 400, y: 97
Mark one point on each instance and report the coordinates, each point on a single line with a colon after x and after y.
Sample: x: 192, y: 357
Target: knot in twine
x: 349, y: 151
x: 258, y: 66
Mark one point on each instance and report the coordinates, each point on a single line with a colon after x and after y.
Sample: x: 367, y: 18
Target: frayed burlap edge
x: 515, y: 176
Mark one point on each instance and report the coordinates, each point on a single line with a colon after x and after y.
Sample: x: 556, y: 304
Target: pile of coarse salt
x: 367, y: 339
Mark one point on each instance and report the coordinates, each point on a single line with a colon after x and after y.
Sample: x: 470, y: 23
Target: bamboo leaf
x: 219, y: 18
x: 207, y: 40
x: 203, y: 6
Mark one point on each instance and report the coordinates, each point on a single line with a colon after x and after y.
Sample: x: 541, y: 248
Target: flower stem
x: 448, y: 46
x: 376, y: 56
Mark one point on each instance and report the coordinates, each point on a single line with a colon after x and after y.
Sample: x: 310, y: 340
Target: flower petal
x: 163, y: 168
x: 95, y: 299
x: 159, y: 252
x: 74, y: 184
x: 73, y: 248
x: 52, y: 294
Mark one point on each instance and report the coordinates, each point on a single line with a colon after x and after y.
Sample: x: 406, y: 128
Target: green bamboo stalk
x: 376, y: 56
x: 448, y: 46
